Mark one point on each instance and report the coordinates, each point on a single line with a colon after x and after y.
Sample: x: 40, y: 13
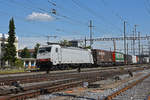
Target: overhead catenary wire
x: 70, y: 20
x: 22, y: 19
x: 82, y: 6
x: 147, y: 6
x: 122, y: 19
x: 26, y: 7
x: 62, y: 8
x: 64, y: 16
x: 58, y: 14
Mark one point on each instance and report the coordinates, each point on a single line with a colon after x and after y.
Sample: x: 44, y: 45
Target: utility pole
x: 135, y: 26
x: 125, y: 38
x: 132, y: 41
x: 134, y: 35
x: 91, y: 26
x: 142, y: 49
x: 127, y: 54
x: 149, y: 49
x: 114, y: 45
x: 131, y: 46
x: 139, y: 43
x: 85, y: 41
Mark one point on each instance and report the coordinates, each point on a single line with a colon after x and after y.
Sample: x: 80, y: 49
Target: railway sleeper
x: 82, y: 81
x: 34, y: 78
x: 126, y: 88
x: 34, y: 93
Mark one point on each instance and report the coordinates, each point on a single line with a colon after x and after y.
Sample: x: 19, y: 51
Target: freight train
x: 55, y: 56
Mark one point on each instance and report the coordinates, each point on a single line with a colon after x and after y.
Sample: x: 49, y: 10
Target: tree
x: 65, y: 43
x: 36, y: 50
x: 87, y: 47
x: 10, y: 49
x: 25, y: 53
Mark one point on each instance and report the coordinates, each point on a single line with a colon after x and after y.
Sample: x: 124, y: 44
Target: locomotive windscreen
x: 44, y: 49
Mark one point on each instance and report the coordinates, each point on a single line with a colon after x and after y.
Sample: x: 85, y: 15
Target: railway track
x: 56, y: 83
x: 68, y: 71
x: 137, y: 90
x: 49, y: 88
x: 52, y: 76
x: 8, y: 80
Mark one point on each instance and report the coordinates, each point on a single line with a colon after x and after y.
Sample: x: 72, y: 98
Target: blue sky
x: 34, y: 20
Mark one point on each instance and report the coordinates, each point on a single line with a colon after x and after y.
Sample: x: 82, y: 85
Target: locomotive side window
x: 48, y: 49
x: 41, y: 50
x: 56, y: 49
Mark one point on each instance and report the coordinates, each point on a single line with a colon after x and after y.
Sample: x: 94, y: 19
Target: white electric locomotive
x: 55, y: 56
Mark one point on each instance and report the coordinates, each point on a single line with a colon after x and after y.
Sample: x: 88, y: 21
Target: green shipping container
x: 119, y: 57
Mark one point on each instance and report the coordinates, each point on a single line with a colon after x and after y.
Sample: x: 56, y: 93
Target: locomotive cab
x: 48, y: 56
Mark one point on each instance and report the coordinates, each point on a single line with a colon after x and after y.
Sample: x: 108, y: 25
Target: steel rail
x: 46, y: 77
x: 84, y: 77
x: 34, y: 93
x: 110, y: 97
x: 57, y: 80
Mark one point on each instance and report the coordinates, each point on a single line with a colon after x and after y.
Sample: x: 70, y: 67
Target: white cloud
x: 35, y: 16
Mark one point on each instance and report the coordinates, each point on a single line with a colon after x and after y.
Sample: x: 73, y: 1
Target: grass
x: 11, y: 71
x: 121, y: 68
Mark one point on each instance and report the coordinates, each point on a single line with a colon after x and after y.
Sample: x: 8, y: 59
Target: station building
x: 29, y: 63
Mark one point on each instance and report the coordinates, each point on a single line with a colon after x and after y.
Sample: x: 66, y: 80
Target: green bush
x: 19, y: 63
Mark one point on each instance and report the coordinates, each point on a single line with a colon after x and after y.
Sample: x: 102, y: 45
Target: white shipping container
x: 146, y: 59
x: 134, y: 59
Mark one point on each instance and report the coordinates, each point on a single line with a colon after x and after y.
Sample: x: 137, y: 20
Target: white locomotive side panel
x: 76, y: 56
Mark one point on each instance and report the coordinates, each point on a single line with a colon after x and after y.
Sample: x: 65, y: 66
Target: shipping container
x: 127, y: 59
x: 145, y: 60
x: 141, y: 59
x: 134, y: 59
x: 137, y: 59
x: 118, y: 58
x: 102, y: 57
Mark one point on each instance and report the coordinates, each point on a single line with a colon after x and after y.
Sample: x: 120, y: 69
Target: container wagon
x: 102, y: 57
